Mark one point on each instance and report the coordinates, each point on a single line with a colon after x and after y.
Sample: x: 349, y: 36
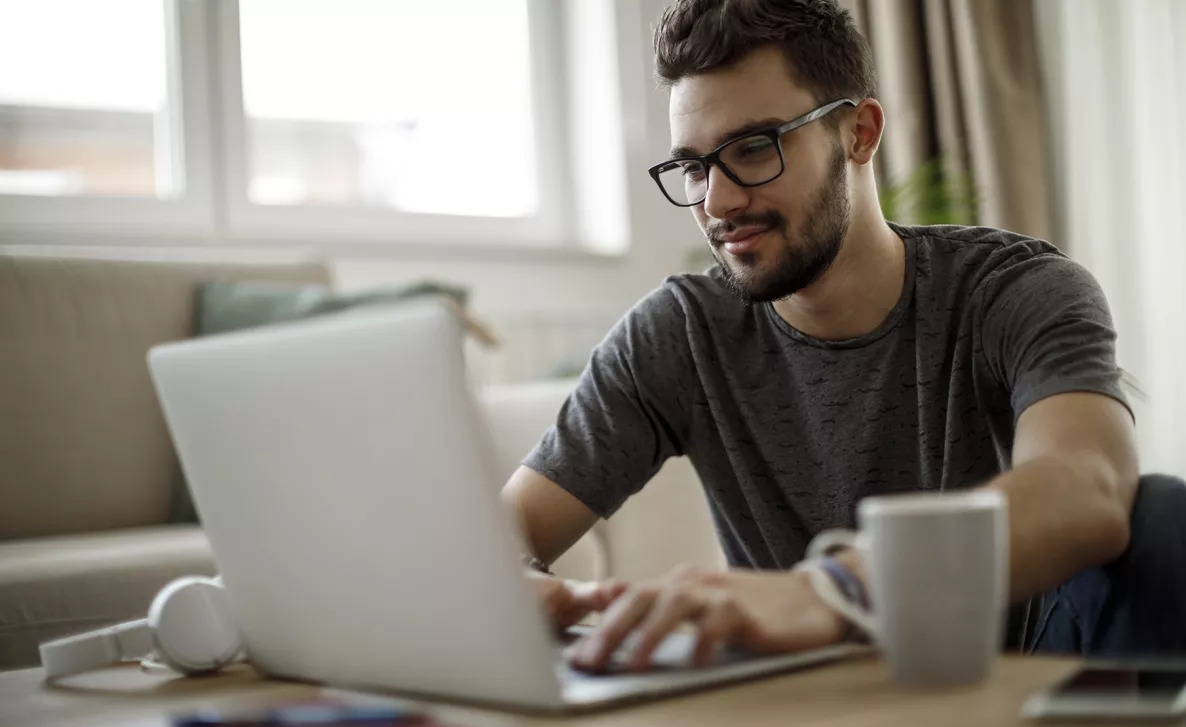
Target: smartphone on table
x: 1115, y: 690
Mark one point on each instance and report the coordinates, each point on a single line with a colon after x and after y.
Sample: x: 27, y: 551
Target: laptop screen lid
x: 342, y: 474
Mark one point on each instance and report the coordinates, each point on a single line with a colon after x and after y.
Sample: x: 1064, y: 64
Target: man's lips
x: 744, y: 240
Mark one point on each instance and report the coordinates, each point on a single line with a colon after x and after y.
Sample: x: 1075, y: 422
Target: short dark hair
x: 825, y: 52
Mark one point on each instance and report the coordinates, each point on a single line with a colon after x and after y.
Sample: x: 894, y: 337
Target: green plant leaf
x: 928, y: 196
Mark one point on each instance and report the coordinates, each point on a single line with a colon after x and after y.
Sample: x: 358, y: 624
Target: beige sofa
x: 87, y: 472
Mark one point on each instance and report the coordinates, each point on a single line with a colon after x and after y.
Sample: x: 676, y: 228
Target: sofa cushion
x: 225, y: 306
x: 57, y: 586
x: 83, y: 446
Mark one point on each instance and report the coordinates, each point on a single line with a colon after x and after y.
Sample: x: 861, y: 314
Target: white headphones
x: 190, y: 628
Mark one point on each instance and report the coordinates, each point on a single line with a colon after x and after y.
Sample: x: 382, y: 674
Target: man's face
x: 778, y: 238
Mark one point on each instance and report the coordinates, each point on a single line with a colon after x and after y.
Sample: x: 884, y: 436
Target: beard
x: 798, y: 263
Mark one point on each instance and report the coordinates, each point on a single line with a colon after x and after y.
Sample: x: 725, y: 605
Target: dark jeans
x: 1135, y: 605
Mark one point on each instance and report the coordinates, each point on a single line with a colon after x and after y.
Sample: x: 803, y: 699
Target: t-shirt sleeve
x: 628, y: 413
x: 1047, y: 330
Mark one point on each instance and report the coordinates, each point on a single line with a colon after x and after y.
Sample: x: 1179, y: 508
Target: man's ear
x: 867, y: 125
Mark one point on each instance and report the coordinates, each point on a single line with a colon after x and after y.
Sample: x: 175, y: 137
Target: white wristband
x: 830, y: 593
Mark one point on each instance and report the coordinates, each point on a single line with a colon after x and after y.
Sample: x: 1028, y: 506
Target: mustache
x: 770, y: 220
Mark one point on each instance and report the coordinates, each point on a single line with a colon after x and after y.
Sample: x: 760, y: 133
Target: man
x: 830, y: 356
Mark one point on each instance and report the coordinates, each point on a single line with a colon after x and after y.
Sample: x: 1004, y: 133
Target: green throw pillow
x: 233, y: 306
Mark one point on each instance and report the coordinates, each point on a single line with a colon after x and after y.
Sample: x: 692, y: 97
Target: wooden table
x: 846, y: 694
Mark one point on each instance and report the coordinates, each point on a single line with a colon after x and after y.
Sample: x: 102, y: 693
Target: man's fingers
x: 673, y: 606
x: 551, y: 592
x: 719, y: 622
x: 609, y: 592
x: 594, y: 651
x: 596, y: 596
x: 580, y: 598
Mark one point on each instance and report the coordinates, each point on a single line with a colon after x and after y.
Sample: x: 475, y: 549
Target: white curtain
x: 1116, y: 79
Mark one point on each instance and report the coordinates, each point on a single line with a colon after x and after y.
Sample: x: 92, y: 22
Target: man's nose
x: 725, y: 197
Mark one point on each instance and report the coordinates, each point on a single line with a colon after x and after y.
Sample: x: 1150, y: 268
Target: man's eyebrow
x: 745, y: 130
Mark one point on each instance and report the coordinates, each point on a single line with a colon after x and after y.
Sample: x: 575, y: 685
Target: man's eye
x: 694, y: 171
x: 754, y: 147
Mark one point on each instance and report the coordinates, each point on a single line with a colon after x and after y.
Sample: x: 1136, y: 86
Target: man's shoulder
x: 707, y: 288
x: 963, y: 241
x: 693, y: 294
x: 687, y: 306
x: 976, y: 255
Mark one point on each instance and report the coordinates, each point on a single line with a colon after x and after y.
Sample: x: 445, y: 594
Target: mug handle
x: 820, y: 546
x: 830, y: 540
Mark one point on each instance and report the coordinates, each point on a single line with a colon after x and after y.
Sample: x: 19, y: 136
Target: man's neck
x: 858, y: 292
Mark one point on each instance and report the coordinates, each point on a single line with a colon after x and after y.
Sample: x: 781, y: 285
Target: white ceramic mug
x: 938, y: 567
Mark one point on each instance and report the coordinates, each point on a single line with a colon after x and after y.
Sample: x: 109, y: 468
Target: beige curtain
x: 961, y: 84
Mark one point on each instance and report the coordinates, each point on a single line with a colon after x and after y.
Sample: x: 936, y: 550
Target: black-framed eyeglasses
x: 750, y: 161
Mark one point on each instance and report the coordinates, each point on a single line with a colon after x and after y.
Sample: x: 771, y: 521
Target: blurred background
x: 501, y: 147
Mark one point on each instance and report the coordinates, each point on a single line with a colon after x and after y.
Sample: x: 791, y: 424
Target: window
x: 376, y: 121
x: 354, y: 119
x: 84, y: 107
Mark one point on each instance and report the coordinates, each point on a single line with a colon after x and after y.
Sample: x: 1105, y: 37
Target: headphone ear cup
x: 193, y: 626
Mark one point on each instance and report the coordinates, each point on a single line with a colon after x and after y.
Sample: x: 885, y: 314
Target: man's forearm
x: 1065, y: 515
x: 551, y: 519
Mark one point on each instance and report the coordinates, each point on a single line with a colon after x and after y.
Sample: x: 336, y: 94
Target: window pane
x: 421, y: 106
x: 83, y: 102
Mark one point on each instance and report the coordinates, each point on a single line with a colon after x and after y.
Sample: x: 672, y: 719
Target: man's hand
x: 567, y: 602
x: 760, y: 611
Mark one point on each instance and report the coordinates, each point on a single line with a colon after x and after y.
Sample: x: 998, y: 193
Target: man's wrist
x: 831, y: 624
x: 851, y: 560
x: 843, y: 582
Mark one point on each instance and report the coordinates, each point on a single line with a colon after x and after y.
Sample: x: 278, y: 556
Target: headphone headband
x: 96, y: 649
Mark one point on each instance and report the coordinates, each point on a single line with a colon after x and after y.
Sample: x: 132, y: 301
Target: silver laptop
x: 342, y: 473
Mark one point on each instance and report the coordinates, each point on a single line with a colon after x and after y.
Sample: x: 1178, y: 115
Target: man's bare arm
x: 552, y: 519
x: 1070, y: 491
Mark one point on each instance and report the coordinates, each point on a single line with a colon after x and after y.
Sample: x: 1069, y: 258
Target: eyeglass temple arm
x: 818, y: 113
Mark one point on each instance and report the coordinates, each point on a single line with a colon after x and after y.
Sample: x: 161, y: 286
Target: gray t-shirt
x: 788, y: 432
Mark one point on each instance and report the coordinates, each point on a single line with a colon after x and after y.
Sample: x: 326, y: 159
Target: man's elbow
x: 1113, y: 532
x: 1104, y: 510
x: 1113, y: 529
